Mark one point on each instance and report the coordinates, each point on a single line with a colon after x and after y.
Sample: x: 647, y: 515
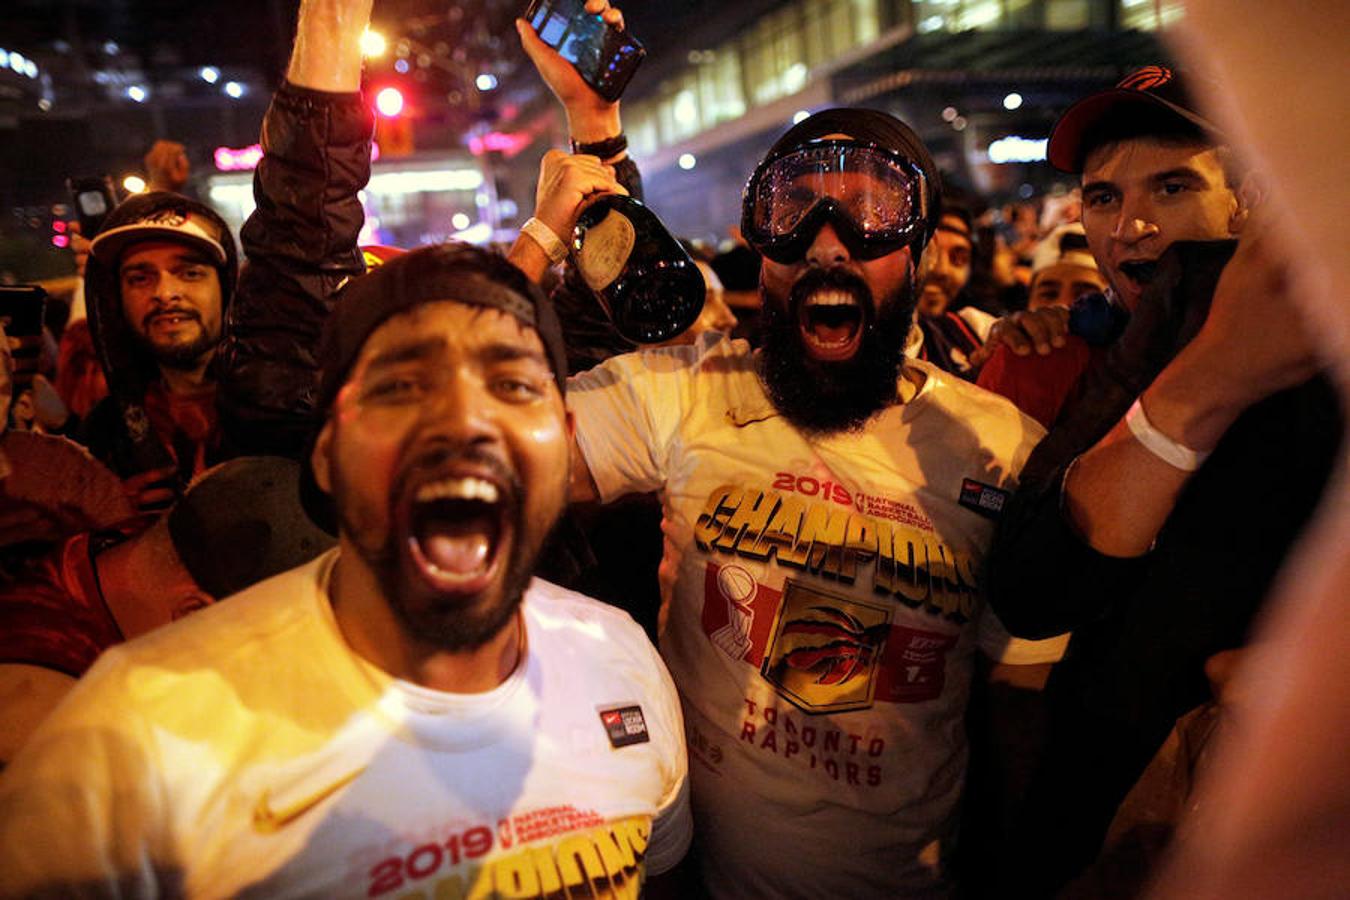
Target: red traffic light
x: 389, y: 102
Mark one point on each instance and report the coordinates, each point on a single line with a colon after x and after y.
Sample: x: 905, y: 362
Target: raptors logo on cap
x: 1146, y: 79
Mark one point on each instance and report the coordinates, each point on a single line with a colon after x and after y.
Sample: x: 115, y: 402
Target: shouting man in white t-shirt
x: 410, y: 715
x: 826, y: 505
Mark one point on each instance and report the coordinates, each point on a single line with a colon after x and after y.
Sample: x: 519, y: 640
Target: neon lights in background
x: 1016, y: 149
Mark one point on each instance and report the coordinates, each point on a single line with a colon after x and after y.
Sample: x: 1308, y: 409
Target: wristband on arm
x: 550, y: 243
x: 606, y: 149
x: 1174, y: 453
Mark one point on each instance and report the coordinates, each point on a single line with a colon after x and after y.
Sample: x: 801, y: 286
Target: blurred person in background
x: 50, y: 487
x: 80, y: 381
x: 716, y: 315
x: 159, y: 282
x: 737, y: 266
x: 1063, y: 269
x: 953, y: 330
x: 166, y: 163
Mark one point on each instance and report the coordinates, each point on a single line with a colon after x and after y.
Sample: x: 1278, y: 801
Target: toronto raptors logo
x: 1146, y: 79
x: 825, y: 651
x: 174, y: 218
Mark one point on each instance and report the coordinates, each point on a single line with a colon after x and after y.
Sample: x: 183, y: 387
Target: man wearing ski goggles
x: 841, y: 209
x: 875, y: 199
x: 826, y: 444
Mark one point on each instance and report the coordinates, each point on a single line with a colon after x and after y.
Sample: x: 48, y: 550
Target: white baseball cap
x: 178, y: 224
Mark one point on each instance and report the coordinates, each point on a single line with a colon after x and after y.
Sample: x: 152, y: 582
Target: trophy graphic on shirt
x: 738, y: 588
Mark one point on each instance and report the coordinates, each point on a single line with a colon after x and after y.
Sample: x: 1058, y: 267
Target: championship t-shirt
x: 246, y: 751
x: 823, y: 609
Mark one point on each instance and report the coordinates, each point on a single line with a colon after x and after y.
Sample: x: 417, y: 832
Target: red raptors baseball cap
x: 1150, y: 98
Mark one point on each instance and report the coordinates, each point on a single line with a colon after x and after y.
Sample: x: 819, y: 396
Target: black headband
x: 456, y: 272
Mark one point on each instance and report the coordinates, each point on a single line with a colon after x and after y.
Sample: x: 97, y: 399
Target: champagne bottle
x: 648, y: 285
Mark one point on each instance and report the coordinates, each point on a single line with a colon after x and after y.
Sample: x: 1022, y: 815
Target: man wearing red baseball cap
x: 1124, y: 529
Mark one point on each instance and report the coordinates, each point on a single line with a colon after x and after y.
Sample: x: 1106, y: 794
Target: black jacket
x: 1143, y: 627
x: 301, y: 246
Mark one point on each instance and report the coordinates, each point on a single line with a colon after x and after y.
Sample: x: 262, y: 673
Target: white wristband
x: 1175, y: 454
x: 548, y: 241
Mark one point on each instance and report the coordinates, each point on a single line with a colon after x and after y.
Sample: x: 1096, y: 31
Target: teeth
x: 820, y: 343
x: 458, y: 489
x: 831, y: 298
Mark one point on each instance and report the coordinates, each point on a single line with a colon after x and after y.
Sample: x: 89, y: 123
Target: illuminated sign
x: 243, y: 159
x: 246, y: 159
x: 1016, y: 149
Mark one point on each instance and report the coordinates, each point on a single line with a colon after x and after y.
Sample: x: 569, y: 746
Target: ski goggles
x: 876, y: 200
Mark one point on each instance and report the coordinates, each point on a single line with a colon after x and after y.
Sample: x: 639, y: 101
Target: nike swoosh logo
x: 267, y: 819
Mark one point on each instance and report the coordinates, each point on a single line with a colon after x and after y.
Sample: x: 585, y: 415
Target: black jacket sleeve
x: 301, y: 246
x: 1041, y: 577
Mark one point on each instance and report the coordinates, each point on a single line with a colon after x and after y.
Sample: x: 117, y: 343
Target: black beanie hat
x: 459, y: 272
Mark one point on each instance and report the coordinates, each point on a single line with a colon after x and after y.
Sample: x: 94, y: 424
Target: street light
x: 209, y: 74
x: 389, y: 102
x: 234, y: 90
x: 137, y: 93
x: 1012, y: 101
x: 373, y: 44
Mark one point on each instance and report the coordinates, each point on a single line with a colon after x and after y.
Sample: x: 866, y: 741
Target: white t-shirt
x: 247, y: 751
x: 822, y: 609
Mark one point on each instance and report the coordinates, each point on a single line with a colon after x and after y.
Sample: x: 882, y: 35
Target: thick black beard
x: 181, y: 357
x: 446, y: 624
x: 829, y: 397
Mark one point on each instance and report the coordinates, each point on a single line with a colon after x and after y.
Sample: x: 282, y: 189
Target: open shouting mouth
x: 1140, y: 272
x: 831, y: 323
x: 457, y: 528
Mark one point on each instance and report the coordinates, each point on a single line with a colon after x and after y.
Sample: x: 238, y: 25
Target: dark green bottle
x: 644, y: 279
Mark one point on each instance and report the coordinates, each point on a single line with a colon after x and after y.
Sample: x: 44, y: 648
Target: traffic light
x: 393, y: 127
x: 389, y: 102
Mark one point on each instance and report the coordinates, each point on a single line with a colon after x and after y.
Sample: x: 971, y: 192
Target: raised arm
x: 566, y: 180
x: 327, y: 52
x: 1252, y: 345
x: 301, y: 242
x: 1093, y: 498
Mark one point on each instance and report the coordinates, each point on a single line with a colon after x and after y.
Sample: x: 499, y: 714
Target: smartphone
x: 22, y: 307
x: 93, y: 198
x: 605, y: 57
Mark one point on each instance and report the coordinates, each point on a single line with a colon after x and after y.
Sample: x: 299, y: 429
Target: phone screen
x: 94, y: 198
x: 605, y: 57
x: 21, y: 311
x: 91, y: 203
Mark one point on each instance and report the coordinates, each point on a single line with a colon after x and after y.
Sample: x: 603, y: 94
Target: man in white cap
x: 159, y: 280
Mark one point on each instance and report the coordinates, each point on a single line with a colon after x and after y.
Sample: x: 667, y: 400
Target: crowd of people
x: 952, y: 540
